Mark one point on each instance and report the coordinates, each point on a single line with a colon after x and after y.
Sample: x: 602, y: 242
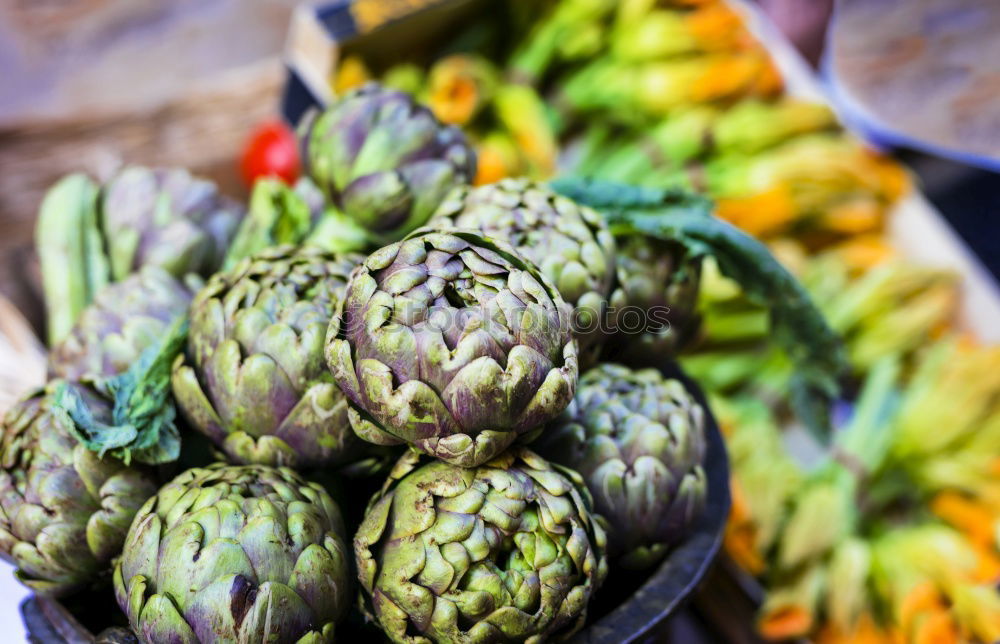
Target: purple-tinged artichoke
x: 638, y: 440
x: 454, y: 344
x: 571, y: 244
x: 89, y: 235
x: 508, y: 551
x: 235, y: 554
x: 385, y: 161
x: 254, y: 379
x: 166, y: 217
x: 64, y: 510
x: 124, y: 320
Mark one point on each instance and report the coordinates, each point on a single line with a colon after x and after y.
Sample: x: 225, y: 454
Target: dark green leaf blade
x: 88, y: 426
x: 143, y: 416
x: 797, y: 325
x: 611, y: 196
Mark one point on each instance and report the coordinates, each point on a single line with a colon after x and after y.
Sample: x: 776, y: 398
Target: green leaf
x: 71, y: 251
x: 143, y: 417
x: 277, y: 215
x: 616, y: 199
x: 87, y: 427
x: 797, y: 325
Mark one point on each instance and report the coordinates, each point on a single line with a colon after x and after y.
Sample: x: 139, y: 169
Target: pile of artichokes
x: 214, y: 399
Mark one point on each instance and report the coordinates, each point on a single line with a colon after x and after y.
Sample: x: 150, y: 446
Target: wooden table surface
x: 91, y: 84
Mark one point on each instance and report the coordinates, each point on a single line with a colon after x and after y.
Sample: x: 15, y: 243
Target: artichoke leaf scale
x: 381, y: 202
x: 161, y: 622
x: 480, y: 542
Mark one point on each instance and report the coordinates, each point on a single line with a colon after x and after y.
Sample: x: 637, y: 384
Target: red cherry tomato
x: 271, y: 151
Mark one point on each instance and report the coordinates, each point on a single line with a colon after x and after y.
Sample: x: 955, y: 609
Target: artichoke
x: 571, y: 244
x: 454, y: 344
x: 124, y: 319
x: 507, y: 551
x: 385, y: 161
x: 638, y: 440
x: 656, y: 296
x: 64, y: 510
x: 89, y: 235
x: 167, y: 218
x: 235, y: 554
x: 254, y: 379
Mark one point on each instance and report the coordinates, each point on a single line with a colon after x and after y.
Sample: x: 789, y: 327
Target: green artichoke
x: 571, y: 244
x: 124, y: 320
x: 508, y: 551
x: 235, y: 554
x: 64, y: 510
x: 385, y: 161
x: 454, y: 344
x: 254, y: 379
x: 656, y: 296
x: 638, y: 440
x: 89, y: 235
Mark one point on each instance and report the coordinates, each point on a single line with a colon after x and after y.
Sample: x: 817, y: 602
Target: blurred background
x: 90, y: 84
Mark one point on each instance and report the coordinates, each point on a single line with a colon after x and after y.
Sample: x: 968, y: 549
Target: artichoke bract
x: 656, y: 296
x: 507, y: 551
x: 571, y: 244
x: 638, y: 440
x: 454, y: 344
x: 166, y: 217
x: 254, y: 379
x: 64, y: 510
x: 385, y: 161
x: 234, y: 553
x: 124, y: 320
